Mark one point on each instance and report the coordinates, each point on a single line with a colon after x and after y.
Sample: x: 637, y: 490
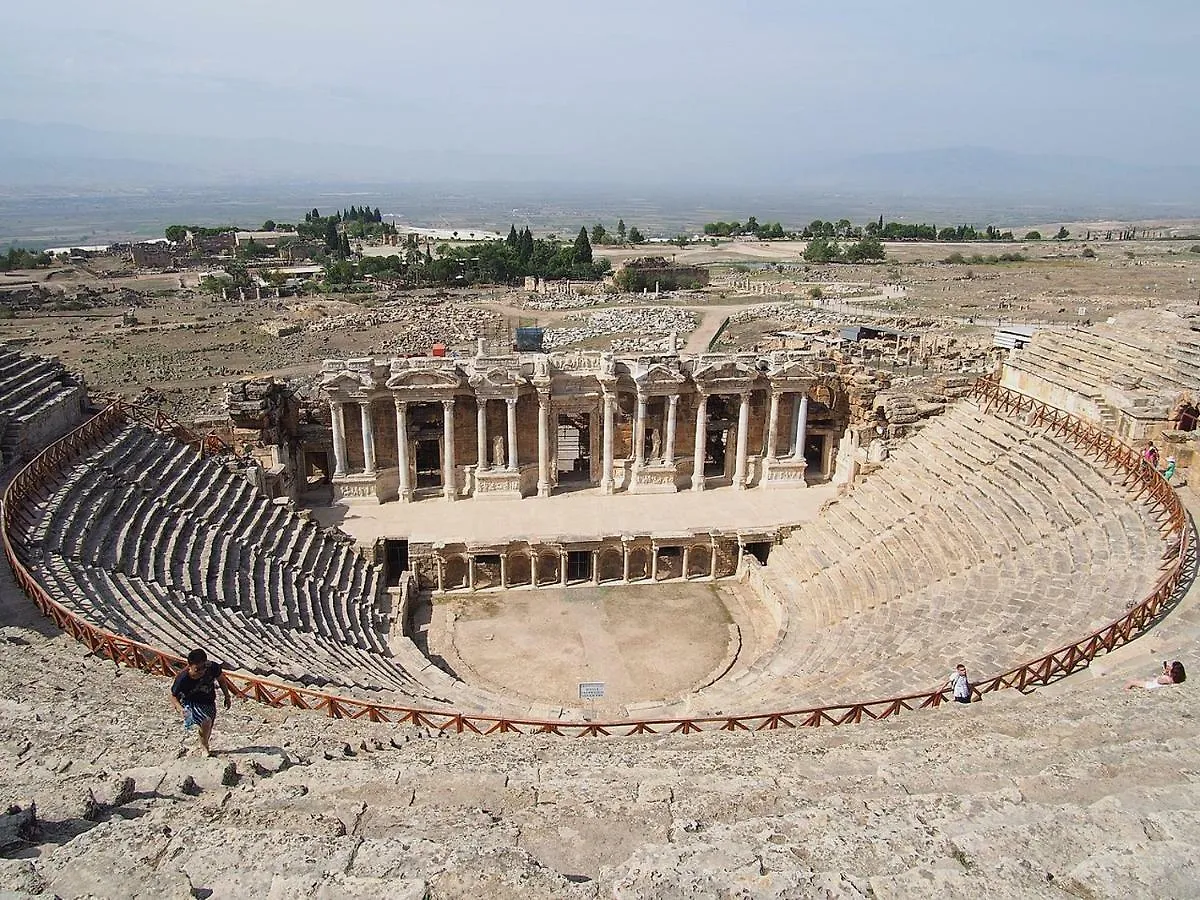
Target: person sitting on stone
x: 194, y: 694
x: 1172, y: 673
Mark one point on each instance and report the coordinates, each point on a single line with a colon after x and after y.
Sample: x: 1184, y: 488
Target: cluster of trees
x: 773, y: 231
x: 601, y: 235
x: 822, y: 249
x: 489, y: 262
x: 20, y: 258
x: 177, y: 234
x: 978, y: 259
x: 913, y: 231
x: 336, y: 230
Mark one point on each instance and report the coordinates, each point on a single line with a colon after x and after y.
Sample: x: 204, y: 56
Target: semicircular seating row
x: 979, y: 541
x: 145, y: 539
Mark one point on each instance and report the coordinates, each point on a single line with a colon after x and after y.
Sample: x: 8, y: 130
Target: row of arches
x: 606, y: 564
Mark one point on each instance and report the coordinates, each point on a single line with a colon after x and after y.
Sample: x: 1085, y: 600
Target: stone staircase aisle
x: 1083, y: 790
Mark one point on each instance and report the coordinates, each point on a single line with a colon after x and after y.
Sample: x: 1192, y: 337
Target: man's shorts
x: 198, y: 713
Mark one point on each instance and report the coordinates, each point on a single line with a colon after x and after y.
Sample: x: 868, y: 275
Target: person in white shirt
x: 960, y: 685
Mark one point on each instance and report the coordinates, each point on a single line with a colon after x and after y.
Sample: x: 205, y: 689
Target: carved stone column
x: 512, y: 433
x: 801, y: 433
x: 449, y: 484
x: 504, y: 570
x: 337, y: 414
x: 606, y: 478
x: 405, y: 489
x: 639, y: 432
x: 481, y: 447
x: 368, y: 437
x: 739, y: 465
x: 471, y: 572
x: 595, y: 567
x: 653, y: 562
x: 543, y: 486
x: 712, y: 563
x: 684, y: 562
x: 669, y: 449
x: 698, y: 454
x: 773, y: 428
x: 440, y: 565
x: 624, y: 562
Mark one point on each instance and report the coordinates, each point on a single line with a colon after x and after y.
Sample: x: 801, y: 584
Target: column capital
x: 400, y: 402
x: 448, y: 403
x: 511, y: 401
x: 481, y: 402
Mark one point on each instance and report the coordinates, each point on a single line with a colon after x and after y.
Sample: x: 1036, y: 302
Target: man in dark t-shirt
x: 194, y: 694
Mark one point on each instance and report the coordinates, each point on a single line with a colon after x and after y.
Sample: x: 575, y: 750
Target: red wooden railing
x: 31, y: 484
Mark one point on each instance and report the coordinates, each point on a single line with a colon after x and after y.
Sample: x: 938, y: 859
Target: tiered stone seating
x: 145, y: 539
x: 978, y: 540
x: 1086, y: 361
x: 39, y: 401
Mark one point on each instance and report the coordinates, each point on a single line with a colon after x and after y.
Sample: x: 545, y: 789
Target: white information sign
x: 591, y: 690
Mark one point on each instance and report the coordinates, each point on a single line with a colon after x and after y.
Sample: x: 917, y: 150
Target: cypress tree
x: 526, y: 249
x: 513, y: 238
x: 583, y: 247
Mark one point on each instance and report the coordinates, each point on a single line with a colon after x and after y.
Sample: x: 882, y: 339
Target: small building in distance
x: 153, y: 255
x: 264, y: 238
x: 654, y: 273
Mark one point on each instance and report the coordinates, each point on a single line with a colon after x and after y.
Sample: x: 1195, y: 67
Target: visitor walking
x: 194, y: 694
x: 960, y: 684
x: 1169, y: 471
x: 1150, y: 455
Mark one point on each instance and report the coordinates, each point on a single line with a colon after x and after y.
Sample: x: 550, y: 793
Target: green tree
x: 865, y: 248
x: 599, y: 234
x: 513, y: 239
x: 269, y: 225
x: 344, y: 246
x: 821, y: 250
x: 525, y: 251
x: 1033, y: 235
x: 583, y: 247
x: 1063, y: 234
x: 331, y: 236
x: 620, y: 231
x: 176, y: 234
x: 635, y: 236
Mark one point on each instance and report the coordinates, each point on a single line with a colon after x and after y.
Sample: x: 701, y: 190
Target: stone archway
x: 520, y: 569
x: 611, y: 567
x: 455, y: 576
x: 699, y: 561
x: 639, y: 563
x: 549, y: 568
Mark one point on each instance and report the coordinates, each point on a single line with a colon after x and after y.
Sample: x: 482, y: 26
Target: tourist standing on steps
x: 194, y: 694
x: 1150, y: 455
x: 960, y: 685
x: 1169, y: 472
x: 1172, y: 673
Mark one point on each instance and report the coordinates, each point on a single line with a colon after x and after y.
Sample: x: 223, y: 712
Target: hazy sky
x: 643, y: 89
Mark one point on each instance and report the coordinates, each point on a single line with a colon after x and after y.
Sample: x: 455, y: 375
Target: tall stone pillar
x: 337, y: 414
x: 543, y: 486
x: 606, y: 478
x: 743, y: 435
x: 712, y: 563
x: 698, y: 453
x: 504, y: 569
x: 639, y: 432
x: 801, y: 426
x: 481, y: 446
x: 368, y: 437
x: 405, y: 489
x: 624, y: 562
x: 773, y: 428
x: 669, y: 450
x: 449, y: 484
x: 512, y: 433
x: 684, y: 561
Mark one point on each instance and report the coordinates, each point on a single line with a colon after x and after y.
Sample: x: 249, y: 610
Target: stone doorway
x: 395, y: 558
x: 814, y: 454
x: 573, y: 458
x: 719, y: 436
x: 429, y: 462
x: 579, y: 566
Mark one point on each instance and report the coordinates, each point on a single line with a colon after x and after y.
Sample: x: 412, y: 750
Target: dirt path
x: 711, y: 319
